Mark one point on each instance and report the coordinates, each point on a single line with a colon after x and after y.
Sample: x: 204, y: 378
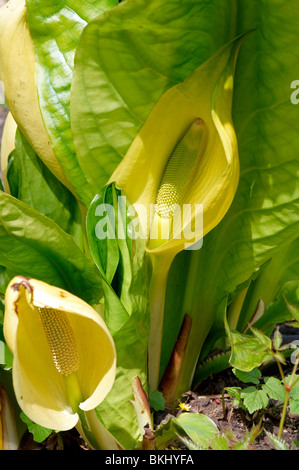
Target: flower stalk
x: 157, y: 292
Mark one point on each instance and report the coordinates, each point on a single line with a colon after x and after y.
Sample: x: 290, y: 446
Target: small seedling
x: 256, y: 396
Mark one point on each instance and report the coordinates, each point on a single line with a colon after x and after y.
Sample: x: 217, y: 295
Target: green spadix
x: 178, y: 170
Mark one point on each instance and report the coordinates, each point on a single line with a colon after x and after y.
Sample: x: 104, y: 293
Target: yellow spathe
x: 206, y: 95
x: 40, y: 386
x: 162, y: 164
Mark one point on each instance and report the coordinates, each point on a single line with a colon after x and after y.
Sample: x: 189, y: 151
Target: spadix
x: 179, y: 168
x: 61, y: 340
x: 168, y: 220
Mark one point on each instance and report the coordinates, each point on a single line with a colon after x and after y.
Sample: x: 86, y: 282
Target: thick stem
x: 160, y: 268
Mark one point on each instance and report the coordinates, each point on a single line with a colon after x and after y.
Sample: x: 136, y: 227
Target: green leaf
x: 125, y: 61
x: 294, y: 406
x: 55, y: 47
x: 277, y: 339
x: 274, y: 388
x: 157, y: 401
x: 116, y: 412
x: 121, y: 262
x: 234, y: 392
x: 119, y: 258
x: 295, y: 388
x: 190, y: 444
x: 198, y: 427
x: 5, y: 356
x: 294, y: 395
x: 252, y: 376
x: 105, y: 253
x: 5, y: 277
x: 39, y: 433
x: 211, y: 365
x: 220, y: 443
x: 263, y: 339
x: 244, y: 444
x: 248, y: 352
x: 276, y: 442
x: 254, y: 399
x: 293, y: 309
x: 33, y: 245
x: 31, y: 182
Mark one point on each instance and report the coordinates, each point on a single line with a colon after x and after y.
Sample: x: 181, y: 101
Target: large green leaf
x: 126, y: 59
x: 121, y: 261
x: 55, y: 28
x: 31, y: 182
x: 33, y: 245
x: 264, y: 216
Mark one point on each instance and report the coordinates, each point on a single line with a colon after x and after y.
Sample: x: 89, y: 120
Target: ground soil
x: 207, y: 399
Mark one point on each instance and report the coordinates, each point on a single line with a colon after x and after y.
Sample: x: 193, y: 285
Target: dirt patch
x: 236, y: 423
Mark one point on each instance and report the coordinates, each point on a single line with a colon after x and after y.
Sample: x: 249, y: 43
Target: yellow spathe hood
x: 206, y: 95
x: 38, y: 384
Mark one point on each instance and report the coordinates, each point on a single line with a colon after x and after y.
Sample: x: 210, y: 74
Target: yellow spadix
x: 181, y: 173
